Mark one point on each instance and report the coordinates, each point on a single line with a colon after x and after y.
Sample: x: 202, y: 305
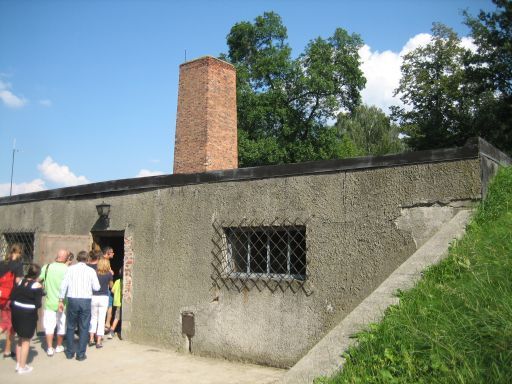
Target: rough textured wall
x: 353, y: 244
x: 206, y: 124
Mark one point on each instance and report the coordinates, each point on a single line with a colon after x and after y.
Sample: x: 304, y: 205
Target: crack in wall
x: 422, y: 220
x: 455, y: 203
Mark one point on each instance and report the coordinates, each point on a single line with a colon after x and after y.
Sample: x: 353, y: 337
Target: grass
x: 455, y: 326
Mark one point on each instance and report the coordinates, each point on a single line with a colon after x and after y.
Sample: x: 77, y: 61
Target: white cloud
x: 469, y: 43
x: 45, y: 103
x: 382, y: 70
x: 146, y: 172
x: 60, y: 174
x: 420, y: 40
x: 9, y: 98
x: 32, y: 186
x: 51, y: 171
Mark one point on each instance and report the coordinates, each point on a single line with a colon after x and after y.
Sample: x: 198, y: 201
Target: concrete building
x: 253, y: 264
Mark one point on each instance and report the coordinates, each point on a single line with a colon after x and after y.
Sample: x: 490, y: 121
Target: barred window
x: 274, y: 251
x: 25, y: 239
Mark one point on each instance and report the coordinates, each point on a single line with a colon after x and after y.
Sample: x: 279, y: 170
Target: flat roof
x: 473, y: 149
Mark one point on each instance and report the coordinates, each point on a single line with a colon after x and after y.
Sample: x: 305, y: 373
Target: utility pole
x: 12, y: 164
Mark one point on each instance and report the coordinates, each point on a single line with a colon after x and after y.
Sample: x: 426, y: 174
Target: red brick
x: 206, y: 130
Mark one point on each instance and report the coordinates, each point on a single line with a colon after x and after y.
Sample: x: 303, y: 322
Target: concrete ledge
x: 324, y: 358
x: 142, y: 184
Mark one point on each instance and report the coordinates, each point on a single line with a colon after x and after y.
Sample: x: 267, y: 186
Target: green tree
x: 371, y: 131
x: 492, y: 34
x: 451, y: 93
x: 490, y: 70
x: 440, y: 107
x: 284, y: 104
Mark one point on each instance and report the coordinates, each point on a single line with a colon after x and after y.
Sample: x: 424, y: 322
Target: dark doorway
x: 114, y: 239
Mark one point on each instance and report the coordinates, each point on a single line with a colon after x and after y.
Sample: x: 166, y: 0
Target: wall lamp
x: 103, y: 211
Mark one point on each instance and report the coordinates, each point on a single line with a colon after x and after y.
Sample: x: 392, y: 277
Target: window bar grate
x: 260, y: 255
x: 23, y: 237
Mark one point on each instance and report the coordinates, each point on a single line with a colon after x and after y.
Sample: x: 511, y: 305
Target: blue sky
x: 88, y: 89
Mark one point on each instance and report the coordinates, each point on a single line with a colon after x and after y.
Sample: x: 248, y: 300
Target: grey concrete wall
x: 355, y: 236
x: 489, y: 168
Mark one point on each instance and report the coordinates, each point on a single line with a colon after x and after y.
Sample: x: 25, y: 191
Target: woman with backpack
x: 11, y: 272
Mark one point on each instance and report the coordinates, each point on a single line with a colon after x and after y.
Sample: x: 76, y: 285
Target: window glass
x: 267, y: 251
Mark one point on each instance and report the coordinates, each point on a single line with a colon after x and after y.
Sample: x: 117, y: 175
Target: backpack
x: 6, y: 286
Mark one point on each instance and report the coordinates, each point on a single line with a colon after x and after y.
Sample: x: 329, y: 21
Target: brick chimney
x: 206, y: 131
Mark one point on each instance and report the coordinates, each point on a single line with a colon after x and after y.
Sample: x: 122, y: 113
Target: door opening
x: 114, y: 239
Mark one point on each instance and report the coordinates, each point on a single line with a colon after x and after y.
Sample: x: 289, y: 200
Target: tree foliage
x: 490, y: 69
x: 439, y: 106
x: 451, y: 93
x: 284, y: 103
x: 370, y: 130
x: 492, y: 33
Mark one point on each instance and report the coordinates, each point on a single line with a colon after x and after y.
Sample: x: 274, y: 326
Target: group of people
x: 80, y: 295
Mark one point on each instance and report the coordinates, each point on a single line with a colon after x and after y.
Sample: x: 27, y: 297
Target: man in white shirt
x: 77, y: 286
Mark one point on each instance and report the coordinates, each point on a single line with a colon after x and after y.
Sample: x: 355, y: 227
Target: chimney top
x: 208, y: 59
x: 206, y: 122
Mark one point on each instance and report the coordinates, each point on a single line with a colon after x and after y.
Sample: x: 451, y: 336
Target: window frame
x: 266, y: 231
x: 26, y: 238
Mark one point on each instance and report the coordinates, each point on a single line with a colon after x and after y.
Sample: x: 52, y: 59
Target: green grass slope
x: 455, y: 326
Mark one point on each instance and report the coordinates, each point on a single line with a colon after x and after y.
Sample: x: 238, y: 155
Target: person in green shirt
x: 117, y: 291
x: 51, y: 276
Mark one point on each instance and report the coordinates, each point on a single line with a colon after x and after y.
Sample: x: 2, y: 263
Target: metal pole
x: 12, y: 164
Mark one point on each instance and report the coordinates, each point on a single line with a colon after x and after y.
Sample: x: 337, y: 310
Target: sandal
x: 98, y: 346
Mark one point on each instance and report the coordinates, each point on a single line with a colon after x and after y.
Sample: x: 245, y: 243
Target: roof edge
x: 473, y: 149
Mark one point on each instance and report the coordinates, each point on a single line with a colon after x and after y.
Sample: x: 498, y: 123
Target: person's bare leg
x: 49, y: 341
x: 9, y: 339
x: 18, y: 352
x: 24, y: 348
x: 60, y: 339
x: 109, y: 319
x: 114, y: 325
x: 7, y: 348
